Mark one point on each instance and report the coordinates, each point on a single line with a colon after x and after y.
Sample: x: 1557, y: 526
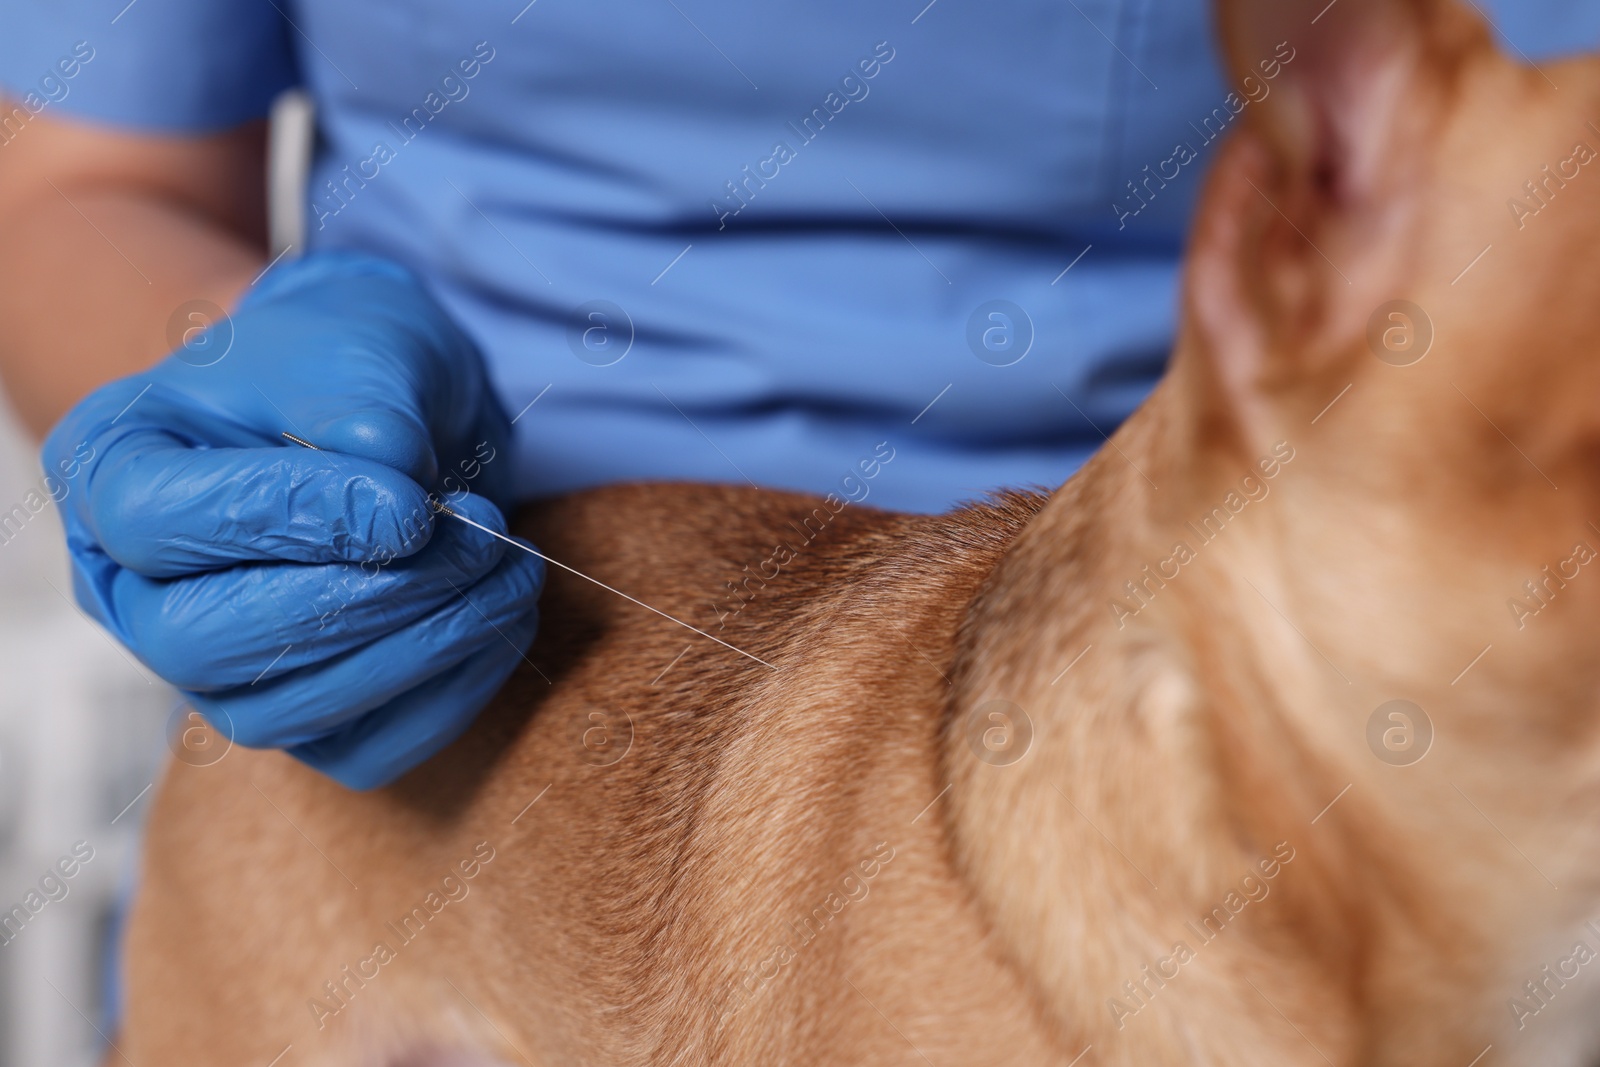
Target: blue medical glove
x: 306, y: 600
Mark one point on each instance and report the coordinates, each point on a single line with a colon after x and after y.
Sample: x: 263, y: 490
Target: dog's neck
x: 1200, y: 675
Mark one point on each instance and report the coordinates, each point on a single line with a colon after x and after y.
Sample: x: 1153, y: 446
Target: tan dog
x: 1111, y: 778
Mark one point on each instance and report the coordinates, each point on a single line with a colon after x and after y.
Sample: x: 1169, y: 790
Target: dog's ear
x: 1328, y: 82
x: 1310, y: 213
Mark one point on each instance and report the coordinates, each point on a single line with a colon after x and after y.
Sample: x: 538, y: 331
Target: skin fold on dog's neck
x: 1362, y: 548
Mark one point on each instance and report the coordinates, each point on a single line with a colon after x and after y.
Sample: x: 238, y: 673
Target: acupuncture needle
x: 444, y: 509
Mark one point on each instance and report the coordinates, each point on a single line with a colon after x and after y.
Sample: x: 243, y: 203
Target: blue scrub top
x: 736, y: 241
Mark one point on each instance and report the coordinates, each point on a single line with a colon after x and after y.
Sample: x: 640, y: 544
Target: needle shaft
x: 445, y: 510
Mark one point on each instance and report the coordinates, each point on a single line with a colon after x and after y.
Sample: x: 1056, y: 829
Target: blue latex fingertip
x: 393, y: 438
x: 475, y: 507
x: 385, y: 518
x: 389, y: 741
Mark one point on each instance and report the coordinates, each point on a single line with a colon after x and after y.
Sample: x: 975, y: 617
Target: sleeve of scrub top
x: 160, y: 66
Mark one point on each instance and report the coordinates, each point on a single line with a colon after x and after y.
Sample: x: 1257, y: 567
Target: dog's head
x: 1383, y: 411
x: 1395, y: 270
x: 1371, y: 475
x: 1414, y: 214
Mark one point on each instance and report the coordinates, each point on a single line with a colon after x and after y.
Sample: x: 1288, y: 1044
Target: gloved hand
x: 307, y: 600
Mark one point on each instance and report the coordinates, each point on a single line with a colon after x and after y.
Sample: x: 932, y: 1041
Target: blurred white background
x: 82, y: 736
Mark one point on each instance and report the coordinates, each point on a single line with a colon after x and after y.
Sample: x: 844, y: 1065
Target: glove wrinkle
x: 309, y: 593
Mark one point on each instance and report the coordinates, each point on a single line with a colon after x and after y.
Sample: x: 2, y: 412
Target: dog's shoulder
x: 721, y: 544
x: 692, y: 789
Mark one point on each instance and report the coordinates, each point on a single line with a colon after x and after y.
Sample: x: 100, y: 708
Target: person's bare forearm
x: 97, y: 260
x: 89, y: 296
